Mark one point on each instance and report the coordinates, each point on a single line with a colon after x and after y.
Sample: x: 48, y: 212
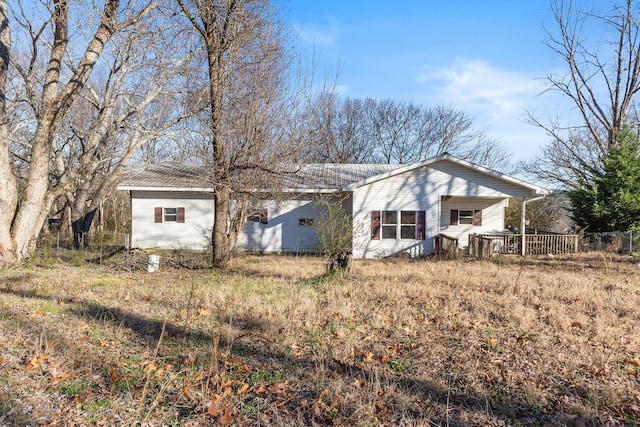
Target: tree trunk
x: 220, y: 236
x: 8, y: 189
x: 80, y: 227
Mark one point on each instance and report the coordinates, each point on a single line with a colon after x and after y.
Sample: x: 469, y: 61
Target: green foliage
x: 609, y: 200
x: 546, y: 214
x: 399, y: 365
x: 265, y: 376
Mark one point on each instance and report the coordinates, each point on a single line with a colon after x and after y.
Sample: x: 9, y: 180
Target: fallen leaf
x: 149, y: 366
x: 243, y: 389
x: 227, y: 417
x: 279, y: 387
x: 635, y: 361
x: 370, y: 357
x: 261, y: 389
x: 357, y: 382
x: 214, y: 407
x: 35, y: 362
x: 38, y: 313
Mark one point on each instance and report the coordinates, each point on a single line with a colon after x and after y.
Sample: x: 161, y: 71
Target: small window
x: 465, y: 217
x: 305, y: 221
x: 260, y: 217
x: 389, y: 224
x: 468, y: 217
x: 171, y: 214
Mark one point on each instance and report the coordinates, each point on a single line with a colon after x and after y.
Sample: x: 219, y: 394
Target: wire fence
x: 614, y: 241
x: 96, y: 245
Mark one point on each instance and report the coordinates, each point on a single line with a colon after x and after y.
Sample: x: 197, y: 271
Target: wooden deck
x: 483, y: 245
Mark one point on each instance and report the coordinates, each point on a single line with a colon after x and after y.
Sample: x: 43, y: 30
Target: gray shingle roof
x: 167, y: 176
x: 308, y: 177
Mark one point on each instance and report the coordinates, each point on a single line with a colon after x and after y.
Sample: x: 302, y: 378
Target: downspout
x: 523, y: 222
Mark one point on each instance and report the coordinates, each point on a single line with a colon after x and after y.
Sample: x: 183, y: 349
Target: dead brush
x: 396, y: 343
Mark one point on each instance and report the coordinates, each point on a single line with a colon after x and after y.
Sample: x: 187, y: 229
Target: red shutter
x: 180, y: 214
x: 264, y: 216
x: 454, y: 217
x: 158, y: 214
x: 421, y: 224
x: 375, y: 225
x: 477, y: 217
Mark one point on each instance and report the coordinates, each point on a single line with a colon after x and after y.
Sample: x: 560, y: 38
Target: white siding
x: 193, y: 233
x: 282, y: 233
x: 492, y: 217
x: 421, y: 189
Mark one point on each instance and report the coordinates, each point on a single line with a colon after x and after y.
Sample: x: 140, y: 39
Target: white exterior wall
x: 492, y: 217
x: 194, y: 233
x: 421, y: 189
x: 282, y: 233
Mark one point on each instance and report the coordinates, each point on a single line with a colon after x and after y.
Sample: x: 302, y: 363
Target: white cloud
x: 476, y: 86
x: 319, y: 34
x: 497, y: 98
x: 342, y: 89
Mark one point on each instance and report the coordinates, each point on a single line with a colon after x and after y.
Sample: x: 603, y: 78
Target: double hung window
x: 397, y: 225
x: 169, y: 214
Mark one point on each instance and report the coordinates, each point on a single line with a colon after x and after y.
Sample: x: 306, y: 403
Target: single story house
x: 394, y: 209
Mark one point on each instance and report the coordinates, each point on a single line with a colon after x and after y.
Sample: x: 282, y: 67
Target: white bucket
x: 153, y: 263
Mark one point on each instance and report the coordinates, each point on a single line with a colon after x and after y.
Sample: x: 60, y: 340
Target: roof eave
x: 538, y: 190
x: 172, y: 189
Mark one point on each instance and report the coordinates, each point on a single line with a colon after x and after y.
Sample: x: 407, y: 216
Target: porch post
x: 523, y: 221
x: 523, y: 230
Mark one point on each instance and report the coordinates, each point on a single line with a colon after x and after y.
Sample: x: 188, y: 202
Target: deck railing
x: 535, y: 244
x: 446, y: 246
x: 481, y: 246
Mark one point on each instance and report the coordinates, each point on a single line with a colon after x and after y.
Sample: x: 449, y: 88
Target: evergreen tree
x: 609, y: 200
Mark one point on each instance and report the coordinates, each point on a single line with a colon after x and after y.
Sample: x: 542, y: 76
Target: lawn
x: 275, y: 341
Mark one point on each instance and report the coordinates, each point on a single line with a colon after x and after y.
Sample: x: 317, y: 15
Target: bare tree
x: 9, y: 191
x: 601, y: 81
x: 51, y: 95
x: 342, y: 130
x: 140, y: 98
x: 250, y: 132
x: 387, y: 131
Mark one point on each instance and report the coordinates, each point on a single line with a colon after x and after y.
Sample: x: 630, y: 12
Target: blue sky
x: 487, y: 58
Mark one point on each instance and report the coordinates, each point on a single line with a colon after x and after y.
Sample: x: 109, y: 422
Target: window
x: 408, y: 224
x: 169, y: 215
x: 305, y: 221
x: 405, y: 225
x: 389, y: 224
x: 259, y: 217
x: 466, y: 217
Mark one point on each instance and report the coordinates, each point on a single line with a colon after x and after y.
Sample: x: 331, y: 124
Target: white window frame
x: 389, y: 224
x: 170, y: 214
x: 468, y: 219
x: 406, y: 225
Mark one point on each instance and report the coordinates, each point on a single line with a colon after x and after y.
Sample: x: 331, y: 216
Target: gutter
x: 523, y: 222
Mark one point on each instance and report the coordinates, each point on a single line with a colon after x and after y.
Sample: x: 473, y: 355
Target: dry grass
x: 277, y: 342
